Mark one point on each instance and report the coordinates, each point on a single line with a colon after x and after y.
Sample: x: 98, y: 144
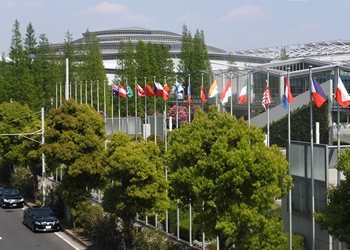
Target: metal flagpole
x: 155, y: 114
x: 98, y: 96
x: 81, y: 92
x: 231, y: 91
x: 189, y: 106
x: 136, y: 109
x: 203, y: 234
x: 127, y: 109
x: 145, y: 110
x: 43, y: 156
x: 60, y: 94
x: 190, y: 231
x: 202, y: 93
x: 290, y: 174
x: 67, y: 79
x: 248, y: 96
x: 177, y: 105
x: 119, y: 108
x: 268, y: 112
x: 104, y: 99
x: 70, y: 90
x: 92, y: 102
x: 338, y: 137
x: 237, y: 89
x: 166, y: 170
x: 56, y: 101
x: 217, y: 96
x: 86, y: 92
x: 177, y: 219
x: 312, y: 163
x: 112, y: 112
x: 75, y: 94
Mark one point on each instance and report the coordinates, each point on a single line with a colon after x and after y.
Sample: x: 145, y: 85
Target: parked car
x: 10, y: 197
x: 41, y: 219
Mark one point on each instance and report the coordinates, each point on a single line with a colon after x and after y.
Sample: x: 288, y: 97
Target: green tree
x: 186, y: 56
x: 18, y: 84
x: 75, y: 136
x: 225, y: 163
x: 231, y: 61
x: 283, y: 55
x: 335, y: 218
x: 139, y: 177
x: 30, y: 40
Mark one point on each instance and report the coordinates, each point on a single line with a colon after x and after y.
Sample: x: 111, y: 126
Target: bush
x: 23, y: 180
x: 54, y: 200
x: 101, y: 227
x: 297, y: 241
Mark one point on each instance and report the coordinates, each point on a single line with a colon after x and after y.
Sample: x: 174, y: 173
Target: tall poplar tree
x: 30, y: 42
x: 185, y: 63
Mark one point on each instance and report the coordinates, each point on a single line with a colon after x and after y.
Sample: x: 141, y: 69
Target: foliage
x: 139, y: 177
x: 194, y: 57
x: 154, y: 239
x: 300, y: 129
x: 101, y: 227
x: 231, y: 62
x: 22, y: 179
x: 335, y: 217
x: 55, y: 200
x: 160, y: 143
x: 297, y: 242
x: 75, y: 136
x: 182, y: 114
x: 225, y: 162
x: 283, y: 55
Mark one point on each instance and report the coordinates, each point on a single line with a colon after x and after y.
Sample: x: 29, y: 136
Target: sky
x: 232, y: 25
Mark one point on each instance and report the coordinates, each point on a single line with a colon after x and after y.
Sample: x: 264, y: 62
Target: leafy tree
x: 231, y: 62
x: 75, y: 136
x: 283, y: 55
x: 30, y: 40
x: 139, y: 178
x: 165, y: 63
x: 182, y: 114
x: 185, y: 63
x: 335, y: 217
x: 70, y: 51
x: 224, y: 162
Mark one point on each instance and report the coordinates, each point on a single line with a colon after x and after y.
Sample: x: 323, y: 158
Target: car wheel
x: 33, y: 228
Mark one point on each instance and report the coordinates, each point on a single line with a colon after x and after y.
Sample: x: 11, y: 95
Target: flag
x: 122, y: 91
x: 189, y: 95
x: 158, y: 89
x: 129, y: 92
x: 115, y: 90
x: 342, y: 95
x: 166, y: 92
x: 214, y: 90
x: 204, y: 94
x: 243, y: 95
x: 139, y: 90
x: 266, y: 100
x: 288, y: 98
x: 149, y: 90
x: 179, y: 90
x: 317, y: 93
x: 226, y: 94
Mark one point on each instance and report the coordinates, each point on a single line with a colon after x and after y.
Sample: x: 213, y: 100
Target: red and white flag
x: 226, y: 94
x: 166, y: 91
x: 122, y: 91
x: 139, y: 90
x: 158, y: 89
x: 266, y: 100
x: 342, y: 96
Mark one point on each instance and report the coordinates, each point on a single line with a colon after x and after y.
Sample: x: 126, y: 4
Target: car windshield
x: 11, y: 191
x: 43, y: 212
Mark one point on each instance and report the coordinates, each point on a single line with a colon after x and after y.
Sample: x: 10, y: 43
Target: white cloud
x: 245, y: 13
x: 105, y: 8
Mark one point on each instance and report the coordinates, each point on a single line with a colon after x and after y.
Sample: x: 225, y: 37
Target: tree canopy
x: 225, y: 163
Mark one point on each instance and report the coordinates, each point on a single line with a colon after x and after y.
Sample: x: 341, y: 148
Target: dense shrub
x: 23, y: 180
x: 55, y: 199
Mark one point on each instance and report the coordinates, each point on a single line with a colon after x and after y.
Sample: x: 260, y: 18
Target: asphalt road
x: 16, y: 236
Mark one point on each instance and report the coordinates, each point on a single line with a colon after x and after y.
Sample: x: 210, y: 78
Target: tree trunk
x: 127, y: 227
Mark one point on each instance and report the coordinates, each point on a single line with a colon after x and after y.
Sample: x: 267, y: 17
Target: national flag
x: 204, y: 94
x: 166, y: 92
x: 266, y: 100
x: 139, y: 90
x: 342, y: 95
x: 243, y: 95
x: 115, y: 90
x: 226, y: 94
x: 288, y: 98
x: 149, y: 90
x: 129, y: 92
x: 214, y: 90
x: 122, y: 91
x: 179, y: 90
x: 189, y: 95
x: 317, y: 93
x: 158, y: 89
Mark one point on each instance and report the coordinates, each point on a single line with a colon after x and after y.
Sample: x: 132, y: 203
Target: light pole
x: 33, y: 56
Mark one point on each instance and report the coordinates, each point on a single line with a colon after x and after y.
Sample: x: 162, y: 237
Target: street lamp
x: 33, y: 56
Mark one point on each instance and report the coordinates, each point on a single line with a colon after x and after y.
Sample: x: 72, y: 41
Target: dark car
x: 41, y: 219
x: 10, y: 197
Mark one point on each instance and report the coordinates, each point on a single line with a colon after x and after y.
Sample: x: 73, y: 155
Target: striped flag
x: 139, y: 90
x: 266, y: 100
